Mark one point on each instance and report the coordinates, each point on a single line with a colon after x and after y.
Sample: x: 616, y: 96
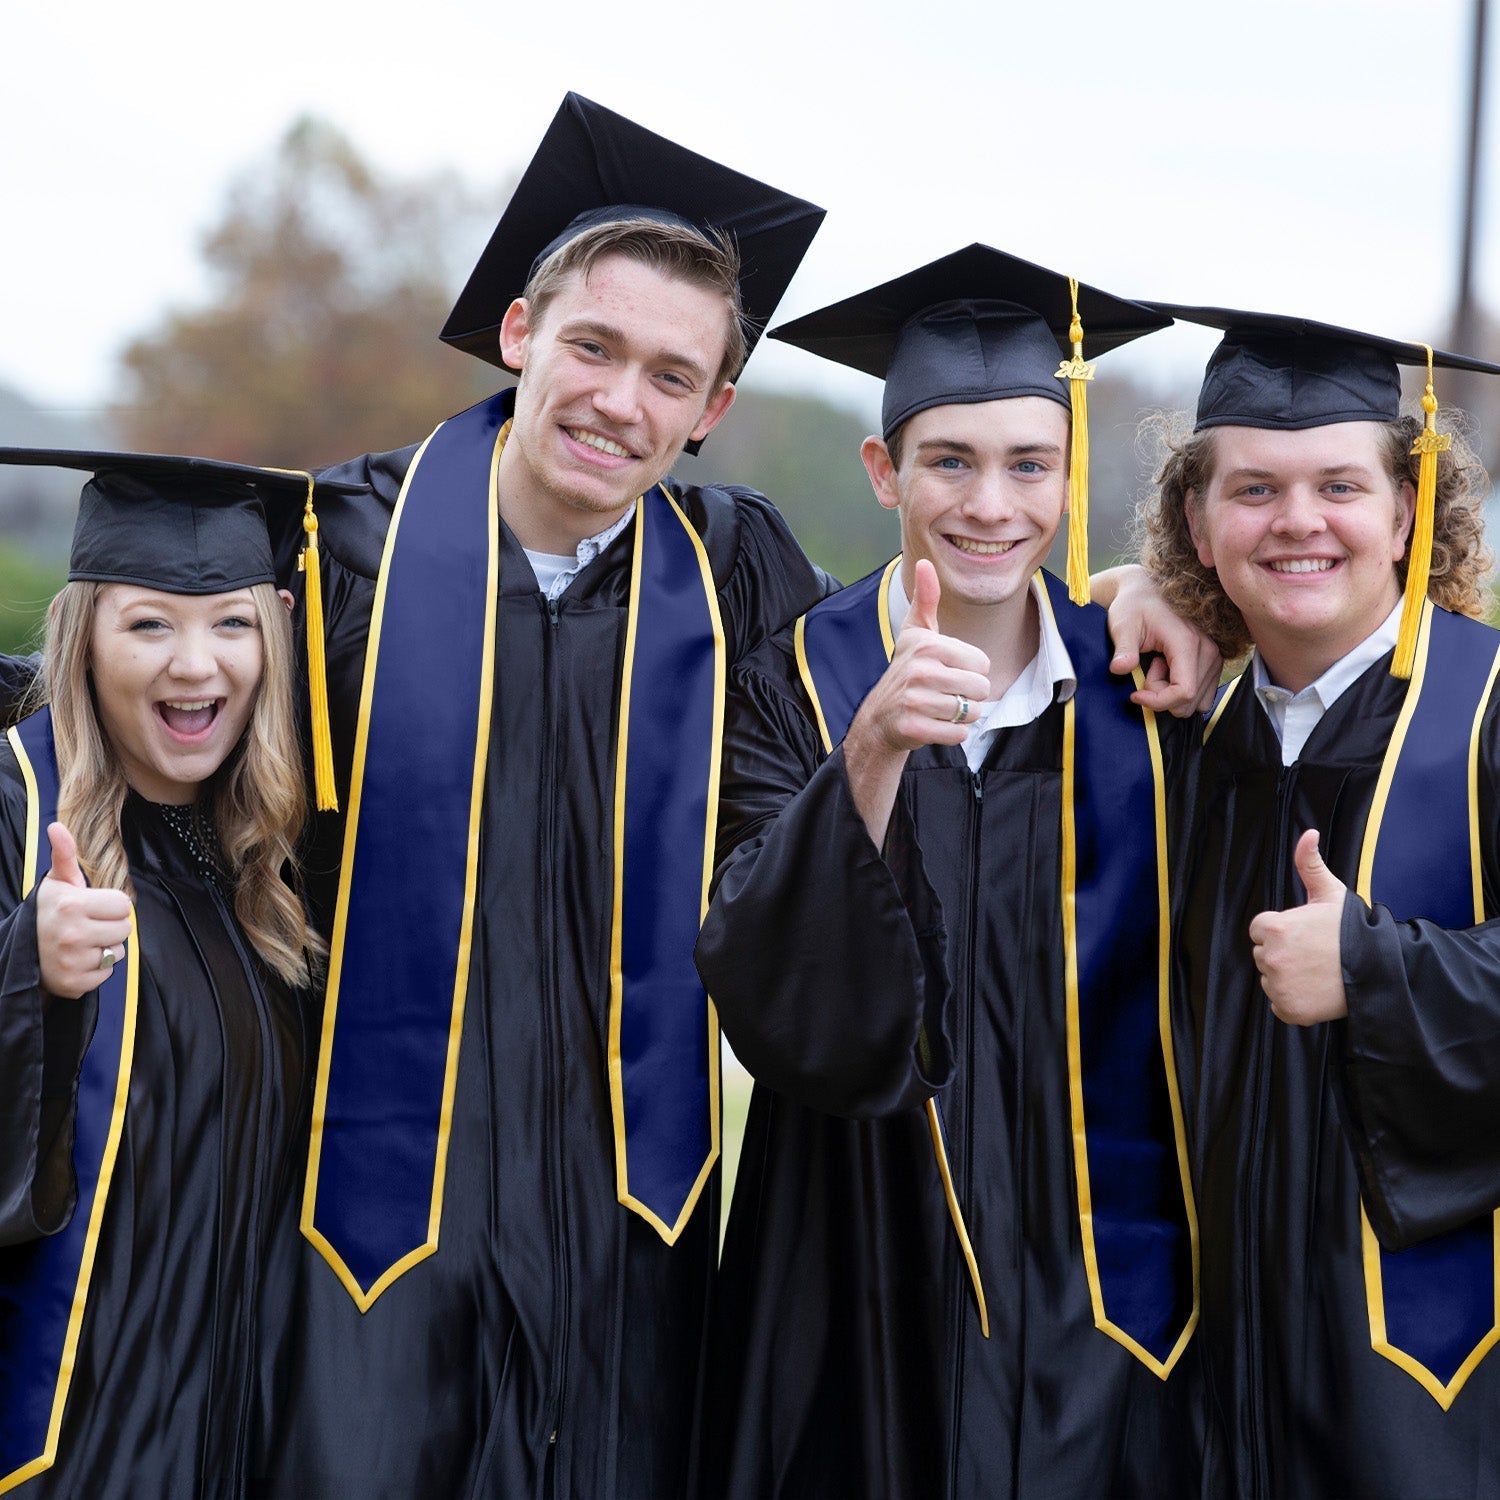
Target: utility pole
x: 1466, y: 334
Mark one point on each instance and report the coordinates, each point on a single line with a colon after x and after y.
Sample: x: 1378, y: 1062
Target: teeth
x: 1303, y: 565
x: 594, y: 440
x: 191, y: 706
x: 982, y: 549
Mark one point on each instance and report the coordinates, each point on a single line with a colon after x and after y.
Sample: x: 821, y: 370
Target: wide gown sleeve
x: 1421, y: 1064
x: 824, y: 955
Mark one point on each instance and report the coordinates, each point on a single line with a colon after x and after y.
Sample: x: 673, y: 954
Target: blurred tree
x: 332, y: 282
x: 804, y: 454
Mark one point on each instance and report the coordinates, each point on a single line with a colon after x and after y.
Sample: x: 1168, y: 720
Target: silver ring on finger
x: 108, y: 958
x: 961, y: 708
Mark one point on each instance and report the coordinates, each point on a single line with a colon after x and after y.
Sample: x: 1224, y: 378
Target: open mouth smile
x: 1303, y: 565
x: 188, y: 720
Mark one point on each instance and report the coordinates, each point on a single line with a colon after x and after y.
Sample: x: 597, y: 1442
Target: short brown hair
x: 1461, y: 562
x: 709, y: 260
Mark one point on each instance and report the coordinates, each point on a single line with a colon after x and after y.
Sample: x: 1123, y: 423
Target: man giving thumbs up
x: 1348, y: 1175
x: 940, y: 911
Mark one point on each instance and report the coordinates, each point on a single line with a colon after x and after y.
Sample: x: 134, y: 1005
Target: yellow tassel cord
x: 1430, y: 442
x: 1076, y: 372
x: 317, y: 665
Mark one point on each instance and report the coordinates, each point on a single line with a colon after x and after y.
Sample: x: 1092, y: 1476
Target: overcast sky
x: 1290, y: 155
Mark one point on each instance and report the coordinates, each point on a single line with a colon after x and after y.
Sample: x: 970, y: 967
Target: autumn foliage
x: 331, y: 283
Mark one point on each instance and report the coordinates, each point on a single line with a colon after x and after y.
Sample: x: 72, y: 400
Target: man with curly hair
x: 1343, y: 1015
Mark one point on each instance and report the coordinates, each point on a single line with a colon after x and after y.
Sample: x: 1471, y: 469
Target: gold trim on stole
x: 1444, y: 1395
x: 1160, y: 1368
x: 668, y: 1232
x: 1221, y: 705
x: 363, y: 1299
x: 934, y: 1120
x: 48, y: 1455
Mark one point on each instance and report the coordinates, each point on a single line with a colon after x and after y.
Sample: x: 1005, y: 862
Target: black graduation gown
x: 554, y: 1343
x: 1401, y: 1102
x: 849, y: 1359
x: 185, y: 1319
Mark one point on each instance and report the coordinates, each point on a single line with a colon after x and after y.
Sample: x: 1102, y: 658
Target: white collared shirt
x: 556, y: 570
x: 1046, y: 679
x: 1294, y: 716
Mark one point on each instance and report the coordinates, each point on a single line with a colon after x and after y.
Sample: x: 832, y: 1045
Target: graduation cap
x: 1287, y: 373
x: 195, y: 526
x: 981, y: 325
x: 1291, y: 373
x: 596, y: 167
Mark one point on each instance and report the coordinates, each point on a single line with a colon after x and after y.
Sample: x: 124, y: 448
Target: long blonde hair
x: 258, y: 796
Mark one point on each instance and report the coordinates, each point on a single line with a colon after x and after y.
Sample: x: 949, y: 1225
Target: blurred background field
x: 253, y: 263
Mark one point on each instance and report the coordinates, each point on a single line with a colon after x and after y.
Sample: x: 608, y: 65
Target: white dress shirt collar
x: 1294, y: 716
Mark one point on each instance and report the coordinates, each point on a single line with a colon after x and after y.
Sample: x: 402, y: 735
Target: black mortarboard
x: 194, y: 526
x: 182, y: 525
x: 594, y: 166
x: 981, y: 325
x: 1292, y: 373
x: 977, y: 325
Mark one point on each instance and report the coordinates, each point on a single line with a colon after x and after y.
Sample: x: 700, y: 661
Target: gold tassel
x: 309, y: 563
x: 1076, y: 372
x: 1430, y: 442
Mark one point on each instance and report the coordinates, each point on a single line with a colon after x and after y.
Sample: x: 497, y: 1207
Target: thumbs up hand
x: 927, y: 696
x: 1297, y: 951
x: 80, y: 931
x: 931, y: 678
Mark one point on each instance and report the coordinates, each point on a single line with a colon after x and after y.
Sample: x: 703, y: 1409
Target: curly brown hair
x: 1184, y: 462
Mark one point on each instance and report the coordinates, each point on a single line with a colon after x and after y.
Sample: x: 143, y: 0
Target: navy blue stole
x: 44, y: 1283
x: 1136, y: 1214
x: 1433, y: 1307
x: 400, y: 961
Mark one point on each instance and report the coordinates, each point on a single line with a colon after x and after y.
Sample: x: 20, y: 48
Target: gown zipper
x: 1286, y: 782
x: 561, y: 1297
x: 964, y: 1166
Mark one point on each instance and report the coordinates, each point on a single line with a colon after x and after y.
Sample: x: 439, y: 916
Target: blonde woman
x: 154, y: 1037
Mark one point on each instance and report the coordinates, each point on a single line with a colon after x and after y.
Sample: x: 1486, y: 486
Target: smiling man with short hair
x: 961, y: 1257
x: 511, y: 1214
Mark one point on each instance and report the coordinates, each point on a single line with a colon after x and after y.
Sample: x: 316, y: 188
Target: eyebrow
x: 607, y: 333
x: 968, y: 450
x: 1359, y: 471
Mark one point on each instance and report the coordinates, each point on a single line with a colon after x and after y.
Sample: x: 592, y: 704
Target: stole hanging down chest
x: 44, y: 1283
x: 400, y: 962
x: 1434, y: 1308
x: 1135, y: 1204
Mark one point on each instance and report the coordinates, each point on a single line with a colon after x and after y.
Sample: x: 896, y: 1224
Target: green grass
x: 26, y: 588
